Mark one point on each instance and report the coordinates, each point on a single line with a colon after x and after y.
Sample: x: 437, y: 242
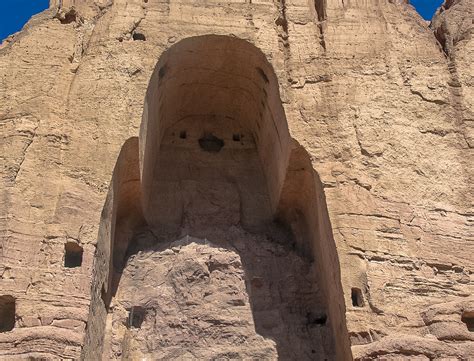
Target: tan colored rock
x: 245, y: 299
x: 357, y: 124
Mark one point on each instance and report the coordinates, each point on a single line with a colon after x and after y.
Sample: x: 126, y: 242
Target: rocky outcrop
x: 453, y: 27
x: 377, y: 109
x: 452, y: 24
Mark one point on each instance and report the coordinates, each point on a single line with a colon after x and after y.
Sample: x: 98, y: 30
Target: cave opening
x: 356, y: 297
x: 136, y: 316
x: 72, y: 255
x: 7, y: 313
x: 468, y: 319
x: 220, y: 228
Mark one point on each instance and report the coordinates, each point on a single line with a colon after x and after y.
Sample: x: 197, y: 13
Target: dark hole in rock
x: 468, y: 319
x: 182, y: 134
x: 136, y: 316
x: 139, y: 36
x: 316, y: 319
x: 69, y: 17
x: 73, y: 256
x: 210, y: 143
x: 263, y: 75
x: 236, y: 137
x: 7, y: 313
x: 357, y: 298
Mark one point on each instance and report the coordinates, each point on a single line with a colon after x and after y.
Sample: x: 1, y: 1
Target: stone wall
x: 383, y: 110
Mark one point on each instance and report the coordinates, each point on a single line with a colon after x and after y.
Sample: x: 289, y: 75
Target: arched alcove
x: 217, y: 184
x: 222, y: 88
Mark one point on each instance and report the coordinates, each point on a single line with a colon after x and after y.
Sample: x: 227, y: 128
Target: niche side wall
x: 303, y: 207
x: 120, y: 216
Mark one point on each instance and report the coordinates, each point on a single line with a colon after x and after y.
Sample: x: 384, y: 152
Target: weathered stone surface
x: 253, y: 299
x: 383, y: 106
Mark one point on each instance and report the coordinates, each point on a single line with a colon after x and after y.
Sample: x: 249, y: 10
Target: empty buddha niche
x: 213, y: 240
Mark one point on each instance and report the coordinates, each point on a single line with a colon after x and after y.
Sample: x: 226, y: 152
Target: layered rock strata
x: 379, y: 104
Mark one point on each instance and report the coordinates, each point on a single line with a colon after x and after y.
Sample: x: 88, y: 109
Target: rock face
x: 254, y: 299
x: 243, y: 180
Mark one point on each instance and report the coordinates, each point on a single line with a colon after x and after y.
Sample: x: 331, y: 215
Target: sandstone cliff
x: 368, y: 170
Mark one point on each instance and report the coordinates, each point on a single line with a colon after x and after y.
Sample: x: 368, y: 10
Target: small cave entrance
x: 220, y: 177
x: 356, y: 297
x: 468, y: 319
x: 7, y: 313
x: 136, y: 316
x: 68, y: 17
x: 73, y: 255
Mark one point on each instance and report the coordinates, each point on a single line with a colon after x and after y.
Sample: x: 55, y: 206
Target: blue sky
x: 15, y: 13
x: 426, y: 8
